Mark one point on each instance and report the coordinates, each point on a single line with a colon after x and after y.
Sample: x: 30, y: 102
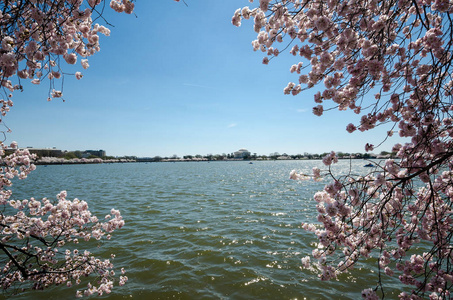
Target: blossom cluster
x: 390, y: 62
x: 58, y: 160
x: 36, y: 36
x: 38, y: 237
x: 35, y: 233
x: 386, y: 211
x: 345, y: 47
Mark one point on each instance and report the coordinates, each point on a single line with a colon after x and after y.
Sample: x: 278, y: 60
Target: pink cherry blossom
x: 38, y: 38
x: 70, y: 58
x: 318, y: 110
x: 84, y: 63
x: 390, y: 63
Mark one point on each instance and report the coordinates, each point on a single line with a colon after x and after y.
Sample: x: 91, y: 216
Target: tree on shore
x: 38, y: 238
x: 391, y: 63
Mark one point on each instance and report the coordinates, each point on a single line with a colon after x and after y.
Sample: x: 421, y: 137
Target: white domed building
x: 242, y: 153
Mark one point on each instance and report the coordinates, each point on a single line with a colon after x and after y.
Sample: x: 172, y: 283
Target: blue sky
x: 178, y: 79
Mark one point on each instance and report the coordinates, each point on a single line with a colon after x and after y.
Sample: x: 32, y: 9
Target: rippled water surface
x: 219, y: 230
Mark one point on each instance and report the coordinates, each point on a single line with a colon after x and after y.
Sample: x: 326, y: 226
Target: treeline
x: 74, y: 155
x: 254, y: 156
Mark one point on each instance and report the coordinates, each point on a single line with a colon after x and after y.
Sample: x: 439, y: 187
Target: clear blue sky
x: 181, y: 80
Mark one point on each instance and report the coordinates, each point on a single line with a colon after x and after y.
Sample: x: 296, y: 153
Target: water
x: 199, y: 230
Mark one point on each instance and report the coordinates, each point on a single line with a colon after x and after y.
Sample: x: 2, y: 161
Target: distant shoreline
x: 116, y: 161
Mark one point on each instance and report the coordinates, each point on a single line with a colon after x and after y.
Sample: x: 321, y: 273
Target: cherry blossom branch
x: 37, y: 39
x: 402, y: 52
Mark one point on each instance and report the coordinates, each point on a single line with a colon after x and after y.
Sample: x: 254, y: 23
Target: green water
x: 199, y: 230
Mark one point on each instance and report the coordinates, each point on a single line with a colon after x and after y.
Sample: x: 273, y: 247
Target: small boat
x: 369, y: 165
x: 250, y: 163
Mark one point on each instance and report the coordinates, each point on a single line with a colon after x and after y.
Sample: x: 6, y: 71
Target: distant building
x: 41, y: 152
x: 242, y: 153
x: 98, y: 153
x: 54, y: 152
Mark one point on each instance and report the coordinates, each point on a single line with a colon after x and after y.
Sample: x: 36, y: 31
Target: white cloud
x: 197, y: 85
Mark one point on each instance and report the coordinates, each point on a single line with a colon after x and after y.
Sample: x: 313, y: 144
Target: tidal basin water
x: 199, y: 230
